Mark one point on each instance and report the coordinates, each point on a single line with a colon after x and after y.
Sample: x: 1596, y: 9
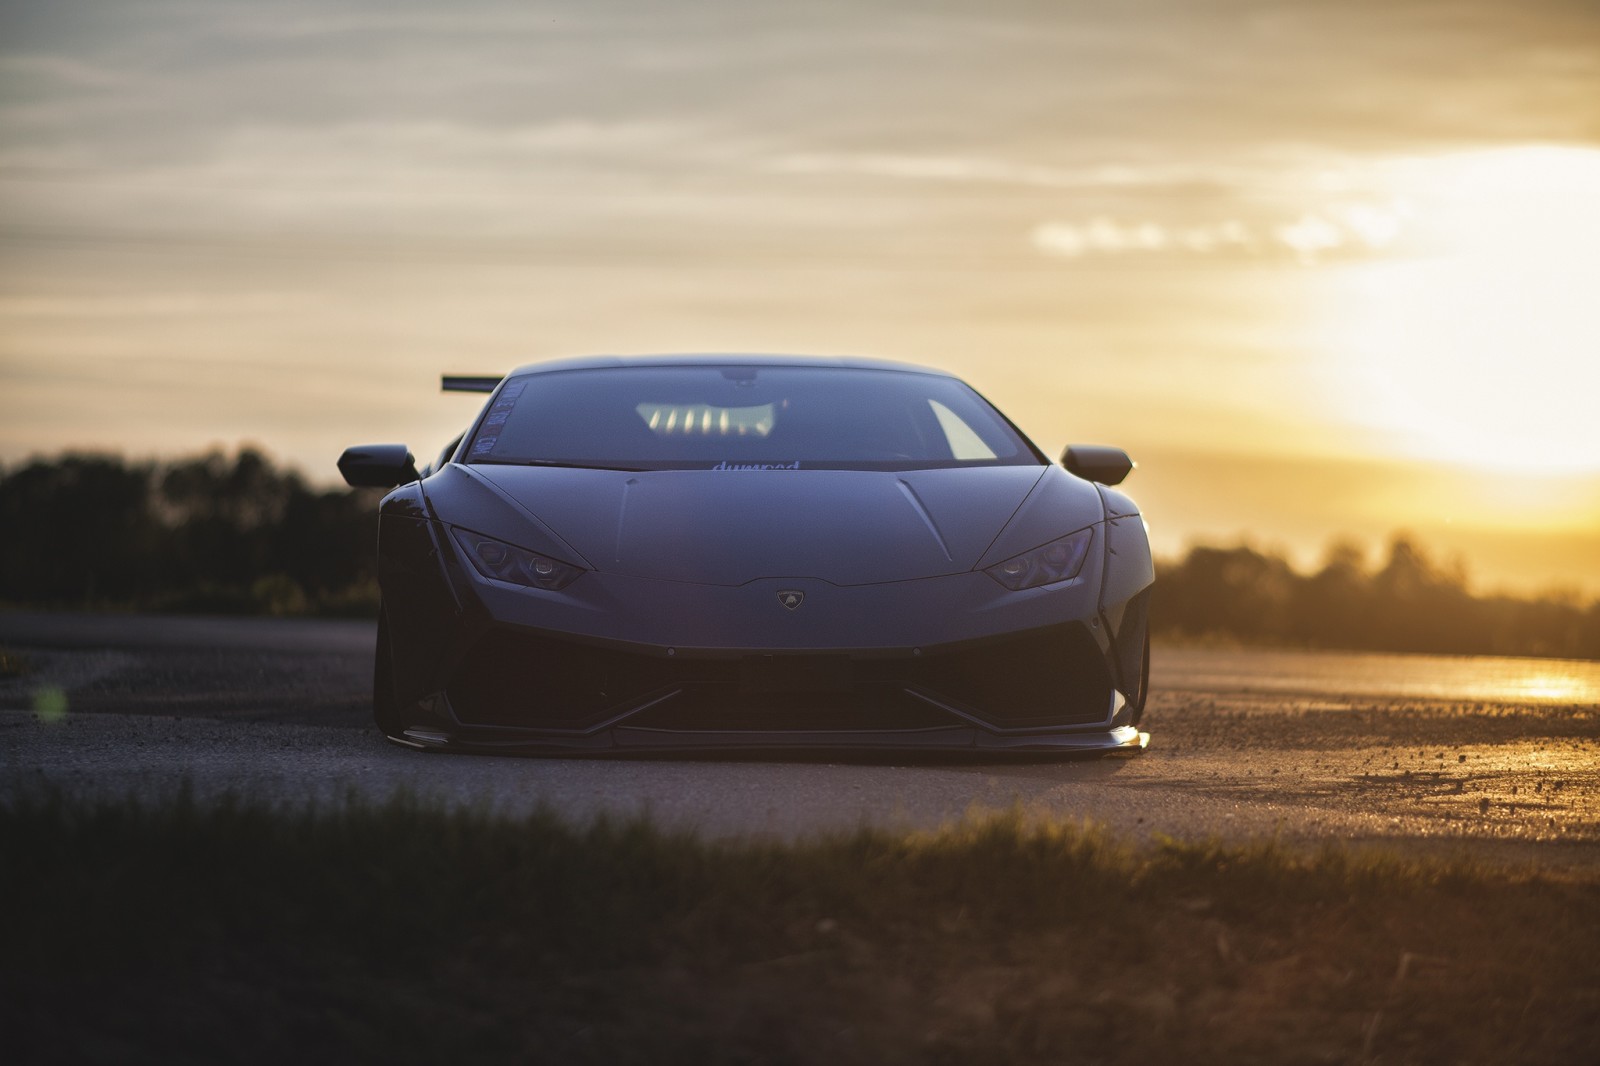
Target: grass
x: 14, y: 664
x: 188, y: 932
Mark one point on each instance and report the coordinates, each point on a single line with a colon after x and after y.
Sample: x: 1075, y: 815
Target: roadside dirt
x: 283, y: 708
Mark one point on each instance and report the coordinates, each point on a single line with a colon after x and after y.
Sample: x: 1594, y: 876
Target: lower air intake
x: 1043, y: 678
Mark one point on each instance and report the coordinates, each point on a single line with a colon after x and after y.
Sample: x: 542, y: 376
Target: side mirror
x: 378, y: 466
x: 1095, y: 462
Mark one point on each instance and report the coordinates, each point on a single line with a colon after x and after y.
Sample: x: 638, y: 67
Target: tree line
x: 233, y: 534
x: 212, y: 534
x: 1408, y: 603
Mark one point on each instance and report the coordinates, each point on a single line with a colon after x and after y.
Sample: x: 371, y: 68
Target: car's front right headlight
x: 1057, y: 561
x: 506, y: 562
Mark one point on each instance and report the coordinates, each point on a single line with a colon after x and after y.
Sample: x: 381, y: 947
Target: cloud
x: 1085, y: 171
x: 925, y: 168
x: 1375, y: 226
x: 57, y: 72
x: 1344, y: 230
x: 1058, y: 238
x: 1110, y: 236
x: 1310, y: 236
x: 941, y: 91
x: 178, y: 305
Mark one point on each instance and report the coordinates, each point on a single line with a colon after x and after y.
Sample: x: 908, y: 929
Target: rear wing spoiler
x: 469, y: 382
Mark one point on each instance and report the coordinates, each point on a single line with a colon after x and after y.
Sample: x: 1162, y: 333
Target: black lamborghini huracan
x: 716, y: 552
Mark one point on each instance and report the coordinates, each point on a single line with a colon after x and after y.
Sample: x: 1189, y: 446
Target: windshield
x: 744, y: 418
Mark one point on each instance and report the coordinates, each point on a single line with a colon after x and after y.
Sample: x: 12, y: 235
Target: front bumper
x: 1046, y: 690
x: 952, y: 664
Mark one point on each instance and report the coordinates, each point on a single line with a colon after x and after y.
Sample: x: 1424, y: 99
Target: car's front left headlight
x: 506, y: 562
x: 1057, y: 561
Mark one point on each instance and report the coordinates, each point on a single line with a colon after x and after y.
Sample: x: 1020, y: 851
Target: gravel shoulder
x: 277, y: 711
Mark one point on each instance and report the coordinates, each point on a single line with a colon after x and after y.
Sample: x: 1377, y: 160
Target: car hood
x: 848, y: 527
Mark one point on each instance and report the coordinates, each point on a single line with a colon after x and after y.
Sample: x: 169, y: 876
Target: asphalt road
x: 276, y: 710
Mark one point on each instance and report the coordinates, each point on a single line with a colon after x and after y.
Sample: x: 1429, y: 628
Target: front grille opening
x: 1047, y: 677
x: 1044, y: 678
x: 533, y: 681
x: 738, y: 708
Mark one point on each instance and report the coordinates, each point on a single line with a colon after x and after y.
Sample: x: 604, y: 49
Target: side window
x: 965, y: 445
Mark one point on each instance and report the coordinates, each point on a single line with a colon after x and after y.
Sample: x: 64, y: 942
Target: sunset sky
x: 1323, y: 268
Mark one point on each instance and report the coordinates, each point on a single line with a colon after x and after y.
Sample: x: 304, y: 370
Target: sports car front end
x: 816, y: 555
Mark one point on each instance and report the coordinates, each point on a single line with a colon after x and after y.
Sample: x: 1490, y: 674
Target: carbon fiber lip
x: 625, y: 740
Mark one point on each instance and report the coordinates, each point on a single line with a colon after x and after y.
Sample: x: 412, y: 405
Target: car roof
x: 598, y: 362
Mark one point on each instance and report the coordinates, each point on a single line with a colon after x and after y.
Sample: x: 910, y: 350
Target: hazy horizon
x: 1323, y: 270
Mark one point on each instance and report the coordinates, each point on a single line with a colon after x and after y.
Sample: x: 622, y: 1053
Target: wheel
x: 385, y: 709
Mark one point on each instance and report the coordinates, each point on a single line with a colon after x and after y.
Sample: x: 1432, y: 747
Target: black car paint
x: 688, y: 565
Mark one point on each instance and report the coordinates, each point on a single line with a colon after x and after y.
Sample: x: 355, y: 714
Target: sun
x: 1480, y: 344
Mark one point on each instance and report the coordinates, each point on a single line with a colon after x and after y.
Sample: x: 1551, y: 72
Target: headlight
x: 505, y: 562
x: 1056, y: 561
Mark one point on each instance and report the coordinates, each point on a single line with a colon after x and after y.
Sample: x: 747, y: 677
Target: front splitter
x: 633, y: 740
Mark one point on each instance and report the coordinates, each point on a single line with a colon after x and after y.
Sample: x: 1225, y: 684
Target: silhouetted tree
x: 1336, y: 599
x: 1410, y: 604
x: 76, y: 529
x: 1237, y: 591
x: 1422, y: 607
x: 204, y: 533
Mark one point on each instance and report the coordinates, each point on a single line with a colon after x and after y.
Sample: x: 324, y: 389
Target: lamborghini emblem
x: 791, y: 598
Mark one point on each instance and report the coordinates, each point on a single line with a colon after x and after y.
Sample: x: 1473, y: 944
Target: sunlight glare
x: 1482, y: 345
x: 1553, y: 688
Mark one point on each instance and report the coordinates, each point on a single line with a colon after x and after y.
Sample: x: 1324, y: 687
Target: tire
x: 1144, y: 681
x: 385, y: 708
